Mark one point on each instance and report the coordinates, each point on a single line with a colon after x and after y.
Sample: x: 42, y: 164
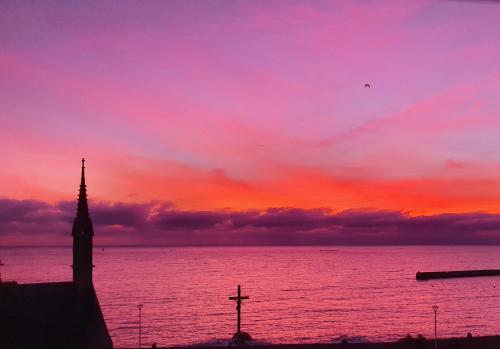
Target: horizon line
x: 257, y: 245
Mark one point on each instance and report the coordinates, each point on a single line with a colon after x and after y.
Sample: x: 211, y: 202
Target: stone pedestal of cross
x: 240, y: 337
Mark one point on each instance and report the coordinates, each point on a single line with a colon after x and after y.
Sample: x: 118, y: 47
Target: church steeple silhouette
x: 83, y: 233
x: 57, y: 315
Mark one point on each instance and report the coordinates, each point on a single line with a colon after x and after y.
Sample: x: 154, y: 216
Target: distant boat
x: 1, y: 262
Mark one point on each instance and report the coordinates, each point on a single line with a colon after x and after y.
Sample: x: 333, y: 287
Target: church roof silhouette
x: 57, y: 315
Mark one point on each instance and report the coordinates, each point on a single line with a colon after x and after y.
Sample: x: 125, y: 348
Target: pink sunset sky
x: 248, y: 121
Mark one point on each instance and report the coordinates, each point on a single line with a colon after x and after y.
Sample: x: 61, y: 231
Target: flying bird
x: 368, y: 85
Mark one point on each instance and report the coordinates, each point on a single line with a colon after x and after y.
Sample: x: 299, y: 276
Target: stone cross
x: 238, y: 299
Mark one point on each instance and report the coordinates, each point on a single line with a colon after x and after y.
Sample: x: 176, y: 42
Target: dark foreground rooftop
x: 50, y: 315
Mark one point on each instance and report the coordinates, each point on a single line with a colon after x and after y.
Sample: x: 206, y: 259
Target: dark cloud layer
x: 162, y: 223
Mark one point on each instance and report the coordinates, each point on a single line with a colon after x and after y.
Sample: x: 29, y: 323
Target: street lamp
x: 435, y: 308
x: 140, y: 323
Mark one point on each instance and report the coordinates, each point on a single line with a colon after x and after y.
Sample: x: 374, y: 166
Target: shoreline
x: 480, y: 342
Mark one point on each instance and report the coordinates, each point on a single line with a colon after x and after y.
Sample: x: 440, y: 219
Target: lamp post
x: 435, y: 308
x: 140, y: 323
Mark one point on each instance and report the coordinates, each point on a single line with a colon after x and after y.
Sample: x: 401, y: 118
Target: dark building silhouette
x: 83, y: 233
x: 57, y: 315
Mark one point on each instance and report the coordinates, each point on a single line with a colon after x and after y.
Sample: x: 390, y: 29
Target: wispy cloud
x: 255, y: 104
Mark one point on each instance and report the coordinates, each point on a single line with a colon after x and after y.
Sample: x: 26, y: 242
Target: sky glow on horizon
x: 250, y: 105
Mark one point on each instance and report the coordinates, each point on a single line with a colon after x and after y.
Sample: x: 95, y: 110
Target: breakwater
x: 456, y: 274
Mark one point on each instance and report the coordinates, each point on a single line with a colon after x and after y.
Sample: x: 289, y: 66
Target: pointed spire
x: 82, y: 238
x: 83, y: 208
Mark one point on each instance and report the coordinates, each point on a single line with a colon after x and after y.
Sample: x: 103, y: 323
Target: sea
x: 296, y: 294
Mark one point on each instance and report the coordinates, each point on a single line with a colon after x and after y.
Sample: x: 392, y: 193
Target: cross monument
x: 238, y: 299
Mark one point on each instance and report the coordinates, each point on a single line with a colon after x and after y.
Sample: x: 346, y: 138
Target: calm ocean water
x: 297, y: 294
